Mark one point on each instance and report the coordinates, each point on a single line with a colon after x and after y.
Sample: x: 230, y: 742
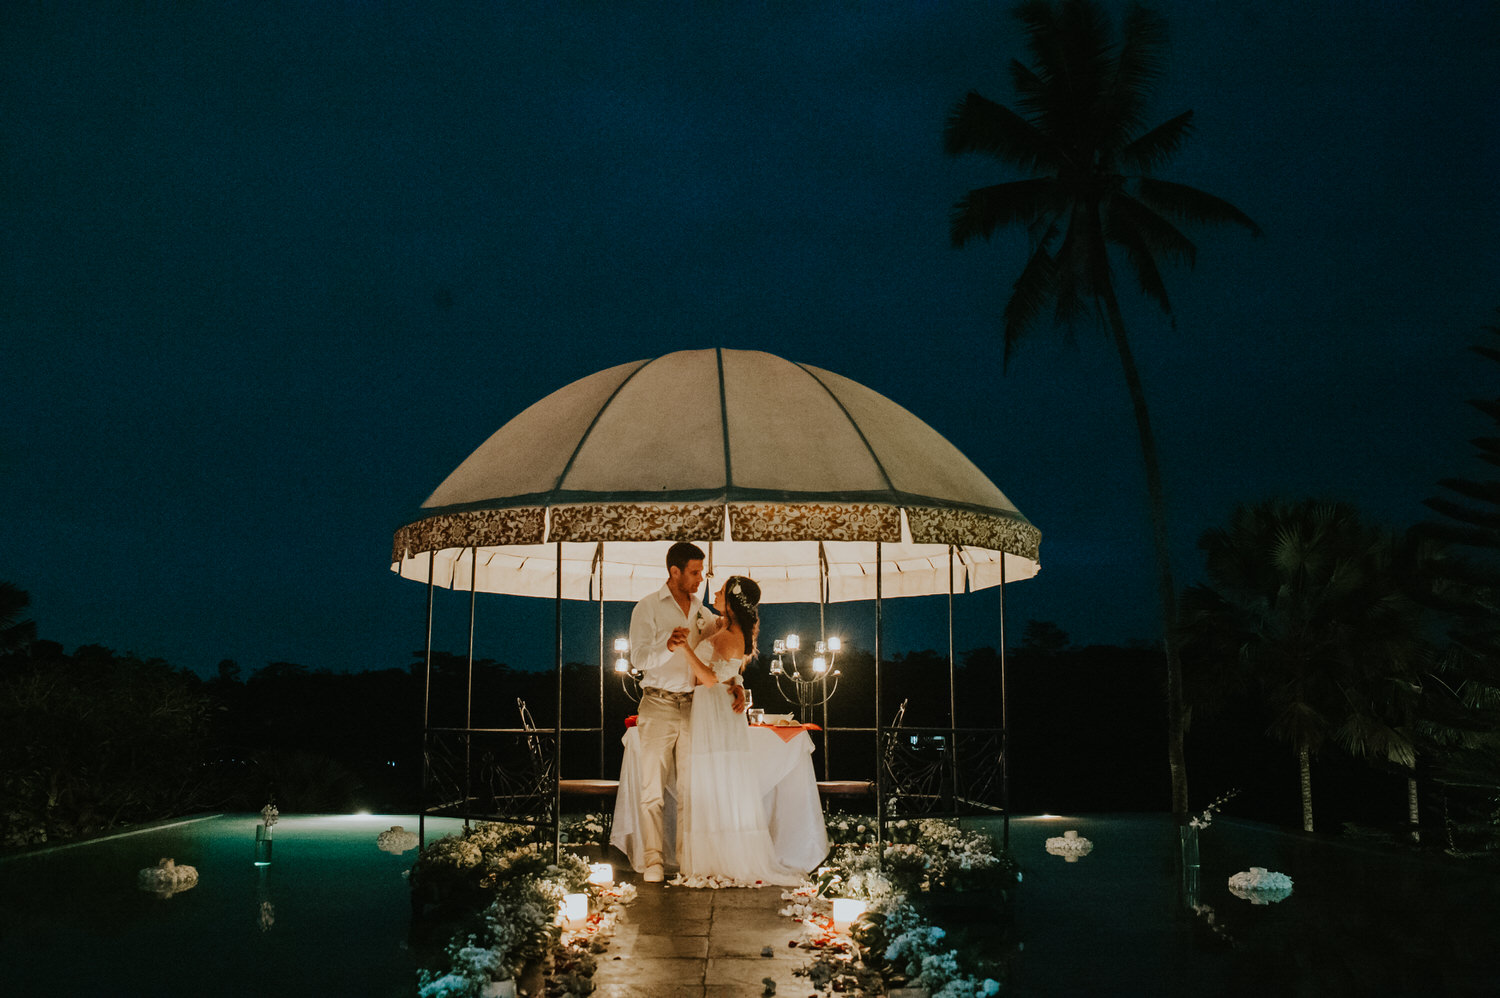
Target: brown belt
x: 660, y: 694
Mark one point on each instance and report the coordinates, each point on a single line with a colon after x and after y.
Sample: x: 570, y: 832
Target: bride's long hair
x: 742, y: 600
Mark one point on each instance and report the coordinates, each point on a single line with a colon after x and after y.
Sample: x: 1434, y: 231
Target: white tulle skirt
x: 725, y: 833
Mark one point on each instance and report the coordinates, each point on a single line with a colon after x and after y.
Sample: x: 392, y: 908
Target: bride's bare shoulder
x: 728, y: 645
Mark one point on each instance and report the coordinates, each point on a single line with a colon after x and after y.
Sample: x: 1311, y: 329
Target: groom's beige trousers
x: 666, y: 739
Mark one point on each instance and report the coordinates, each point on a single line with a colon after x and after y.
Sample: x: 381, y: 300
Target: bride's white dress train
x: 725, y: 832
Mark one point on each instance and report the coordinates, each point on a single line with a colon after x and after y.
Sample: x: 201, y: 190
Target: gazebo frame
x: 546, y: 774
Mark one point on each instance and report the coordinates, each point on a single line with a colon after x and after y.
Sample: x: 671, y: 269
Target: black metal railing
x: 941, y: 771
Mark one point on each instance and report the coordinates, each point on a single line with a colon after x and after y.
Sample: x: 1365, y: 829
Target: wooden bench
x: 845, y: 788
x: 589, y: 788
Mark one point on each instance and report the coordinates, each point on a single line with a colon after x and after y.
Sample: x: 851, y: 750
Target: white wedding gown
x: 725, y: 832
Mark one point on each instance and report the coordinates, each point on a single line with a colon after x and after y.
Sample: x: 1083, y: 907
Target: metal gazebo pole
x: 599, y: 560
x: 879, y: 747
x: 952, y: 697
x: 557, y: 742
x: 469, y: 696
x: 823, y: 636
x: 426, y: 714
x: 1004, y: 724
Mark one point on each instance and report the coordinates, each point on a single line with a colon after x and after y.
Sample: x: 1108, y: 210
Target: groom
x: 661, y: 625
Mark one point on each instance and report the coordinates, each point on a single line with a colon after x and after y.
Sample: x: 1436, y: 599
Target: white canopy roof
x: 780, y: 471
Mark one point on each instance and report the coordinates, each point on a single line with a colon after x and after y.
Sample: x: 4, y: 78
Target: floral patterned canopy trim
x: 697, y: 521
x: 515, y: 544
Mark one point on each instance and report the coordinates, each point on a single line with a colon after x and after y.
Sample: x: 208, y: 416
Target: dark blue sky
x: 272, y: 270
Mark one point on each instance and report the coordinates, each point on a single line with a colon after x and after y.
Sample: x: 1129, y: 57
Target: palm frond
x: 1138, y: 66
x: 1142, y: 264
x: 1481, y: 491
x: 1072, y: 284
x: 1489, y: 353
x: 986, y: 209
x: 1159, y: 236
x: 978, y: 124
x: 1040, y: 19
x: 1031, y: 292
x: 1191, y: 204
x: 1156, y: 148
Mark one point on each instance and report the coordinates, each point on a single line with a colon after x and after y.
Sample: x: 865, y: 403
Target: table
x: 789, y: 793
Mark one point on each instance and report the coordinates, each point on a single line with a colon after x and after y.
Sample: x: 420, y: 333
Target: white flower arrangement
x: 584, y: 830
x: 396, y: 840
x: 1260, y: 886
x: 1069, y: 845
x: 924, y: 852
x: 269, y: 815
x: 167, y: 878
x: 521, y: 923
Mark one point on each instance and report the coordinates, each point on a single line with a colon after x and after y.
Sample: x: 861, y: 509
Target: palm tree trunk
x: 1304, y: 765
x: 1166, y: 590
x: 1412, y: 818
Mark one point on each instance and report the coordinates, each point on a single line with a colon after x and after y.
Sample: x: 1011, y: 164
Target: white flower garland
x: 712, y: 881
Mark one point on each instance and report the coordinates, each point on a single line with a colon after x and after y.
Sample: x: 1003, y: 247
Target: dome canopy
x: 781, y: 471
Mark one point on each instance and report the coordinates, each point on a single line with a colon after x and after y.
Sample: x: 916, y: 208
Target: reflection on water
x: 329, y: 916
x: 1363, y: 919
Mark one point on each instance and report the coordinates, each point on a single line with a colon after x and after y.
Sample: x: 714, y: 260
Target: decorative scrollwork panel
x: 943, y: 771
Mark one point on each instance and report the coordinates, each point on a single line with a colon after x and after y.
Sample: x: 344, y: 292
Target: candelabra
x: 629, y: 675
x: 811, y: 690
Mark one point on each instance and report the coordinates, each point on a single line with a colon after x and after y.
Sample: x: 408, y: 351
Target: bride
x: 725, y: 831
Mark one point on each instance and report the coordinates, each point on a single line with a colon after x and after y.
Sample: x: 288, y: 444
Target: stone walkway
x: 682, y: 942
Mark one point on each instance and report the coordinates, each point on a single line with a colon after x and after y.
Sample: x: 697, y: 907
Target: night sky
x: 272, y: 270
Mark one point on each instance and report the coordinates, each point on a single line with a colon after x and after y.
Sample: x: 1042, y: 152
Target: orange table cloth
x: 786, y: 732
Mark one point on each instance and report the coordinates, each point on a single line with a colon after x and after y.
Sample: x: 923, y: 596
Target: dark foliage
x: 1460, y: 578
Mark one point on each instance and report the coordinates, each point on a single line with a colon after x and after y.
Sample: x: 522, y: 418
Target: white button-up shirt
x: 651, y: 624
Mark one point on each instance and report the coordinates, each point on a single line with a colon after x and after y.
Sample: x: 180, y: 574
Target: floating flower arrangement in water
x: 167, y: 878
x: 1260, y: 886
x: 396, y: 840
x: 1070, y: 846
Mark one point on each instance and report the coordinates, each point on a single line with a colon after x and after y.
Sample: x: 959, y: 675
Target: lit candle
x: 846, y: 910
x: 776, y: 668
x: 622, y: 644
x: 602, y: 874
x: 835, y: 644
x: 622, y: 664
x: 778, y: 646
x: 793, y: 643
x: 575, y: 908
x: 820, y: 665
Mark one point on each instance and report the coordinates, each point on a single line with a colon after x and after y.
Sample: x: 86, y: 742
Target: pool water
x: 328, y: 916
x: 1361, y: 920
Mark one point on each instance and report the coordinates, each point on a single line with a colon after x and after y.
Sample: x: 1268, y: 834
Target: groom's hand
x: 678, y: 638
x: 738, y: 692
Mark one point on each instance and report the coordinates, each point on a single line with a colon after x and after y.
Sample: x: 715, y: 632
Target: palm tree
x: 1305, y: 609
x: 1079, y: 133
